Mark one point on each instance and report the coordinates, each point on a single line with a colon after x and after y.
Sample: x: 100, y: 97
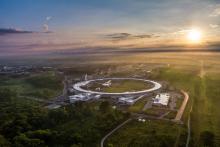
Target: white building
x: 83, y: 97
x: 162, y: 99
x: 78, y: 97
x: 126, y: 100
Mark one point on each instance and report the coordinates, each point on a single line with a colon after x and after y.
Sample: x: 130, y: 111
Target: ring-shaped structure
x: 78, y: 87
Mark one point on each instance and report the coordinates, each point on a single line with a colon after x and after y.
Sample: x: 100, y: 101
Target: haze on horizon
x: 29, y: 26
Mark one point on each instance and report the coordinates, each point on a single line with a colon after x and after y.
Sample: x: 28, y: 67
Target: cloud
x: 45, y: 28
x: 215, y: 13
x: 46, y: 24
x: 126, y: 36
x: 48, y: 18
x: 4, y: 31
x: 214, y: 26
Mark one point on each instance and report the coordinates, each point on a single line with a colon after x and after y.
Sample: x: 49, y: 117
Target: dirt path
x: 183, y: 106
x: 110, y: 133
x: 189, y: 129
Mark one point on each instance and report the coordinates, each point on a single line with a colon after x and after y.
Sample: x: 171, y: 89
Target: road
x: 134, y: 116
x: 183, y: 106
x: 189, y: 129
x: 202, y: 71
x: 63, y: 96
x: 110, y: 133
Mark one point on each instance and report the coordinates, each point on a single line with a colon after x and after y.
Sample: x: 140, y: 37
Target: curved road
x: 110, y: 133
x: 183, y: 106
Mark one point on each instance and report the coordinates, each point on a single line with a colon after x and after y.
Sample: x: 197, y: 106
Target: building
x: 78, y: 97
x: 161, y: 99
x: 83, y: 97
x: 126, y: 100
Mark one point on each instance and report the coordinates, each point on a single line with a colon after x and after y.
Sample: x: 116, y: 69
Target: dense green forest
x: 26, y: 123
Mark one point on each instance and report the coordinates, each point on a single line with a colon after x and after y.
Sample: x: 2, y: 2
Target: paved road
x: 148, y: 105
x: 165, y: 114
x: 183, y: 106
x: 137, y: 115
x: 110, y: 133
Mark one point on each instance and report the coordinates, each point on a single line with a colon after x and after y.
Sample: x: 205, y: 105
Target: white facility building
x: 83, y: 97
x: 161, y: 99
x: 126, y: 100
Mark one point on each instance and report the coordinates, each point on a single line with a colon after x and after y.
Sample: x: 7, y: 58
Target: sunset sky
x: 42, y: 25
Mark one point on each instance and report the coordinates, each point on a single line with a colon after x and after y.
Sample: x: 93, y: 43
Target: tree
x: 22, y: 140
x: 4, y: 142
x: 104, y: 107
x: 207, y: 139
x: 7, y: 94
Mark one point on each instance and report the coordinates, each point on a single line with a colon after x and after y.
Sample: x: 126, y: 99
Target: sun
x: 194, y: 35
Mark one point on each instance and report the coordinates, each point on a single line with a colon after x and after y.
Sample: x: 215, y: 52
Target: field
x: 150, y: 133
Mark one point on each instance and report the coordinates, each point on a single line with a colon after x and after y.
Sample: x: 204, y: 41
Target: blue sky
x: 89, y: 21
x: 70, y: 14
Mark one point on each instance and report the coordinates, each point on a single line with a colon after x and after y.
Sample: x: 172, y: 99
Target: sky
x: 41, y: 25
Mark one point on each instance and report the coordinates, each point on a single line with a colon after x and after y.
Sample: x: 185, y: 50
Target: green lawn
x: 121, y: 86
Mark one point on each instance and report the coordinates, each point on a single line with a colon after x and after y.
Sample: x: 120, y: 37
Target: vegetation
x: 153, y: 133
x: 138, y: 106
x: 85, y: 124
x: 171, y: 115
x: 204, y: 97
x: 154, y: 111
x: 120, y: 86
x: 45, y: 85
x: 24, y: 123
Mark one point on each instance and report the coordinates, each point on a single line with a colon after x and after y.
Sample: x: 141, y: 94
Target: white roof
x: 162, y: 99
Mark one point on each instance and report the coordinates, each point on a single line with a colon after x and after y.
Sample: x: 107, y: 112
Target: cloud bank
x: 5, y: 31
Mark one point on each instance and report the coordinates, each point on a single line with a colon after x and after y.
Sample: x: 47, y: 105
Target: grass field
x: 120, y: 86
x: 128, y: 85
x: 151, y: 133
